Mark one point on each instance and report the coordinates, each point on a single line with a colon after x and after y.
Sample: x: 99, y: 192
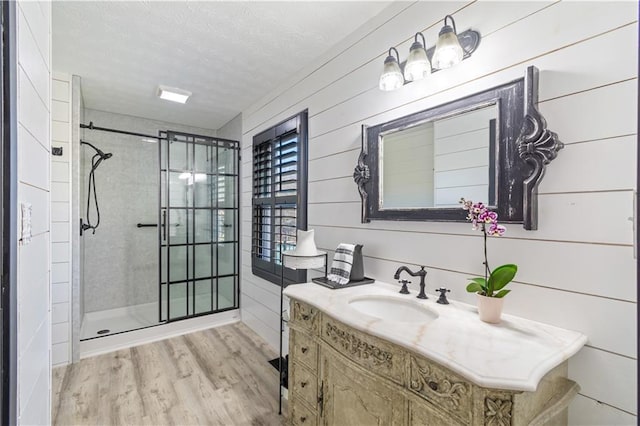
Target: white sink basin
x: 393, y: 309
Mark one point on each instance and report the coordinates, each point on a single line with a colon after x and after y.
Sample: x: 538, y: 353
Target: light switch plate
x: 25, y: 231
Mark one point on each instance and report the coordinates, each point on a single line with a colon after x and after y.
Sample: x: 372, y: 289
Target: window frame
x: 270, y: 270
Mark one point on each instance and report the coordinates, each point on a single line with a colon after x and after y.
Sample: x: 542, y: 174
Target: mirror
x: 492, y: 146
x: 435, y: 163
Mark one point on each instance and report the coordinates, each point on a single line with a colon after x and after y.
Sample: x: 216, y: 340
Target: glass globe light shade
x: 448, y: 50
x: 391, y: 78
x: 417, y: 66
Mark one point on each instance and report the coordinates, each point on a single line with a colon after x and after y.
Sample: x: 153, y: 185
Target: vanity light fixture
x: 173, y: 94
x: 417, y: 66
x: 391, y: 78
x: 448, y: 49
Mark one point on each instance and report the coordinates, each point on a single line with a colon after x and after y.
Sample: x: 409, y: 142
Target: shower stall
x: 159, y: 228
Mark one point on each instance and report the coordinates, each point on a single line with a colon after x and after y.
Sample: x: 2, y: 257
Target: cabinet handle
x: 321, y: 399
x: 303, y: 419
x: 433, y: 385
x: 303, y: 384
x: 304, y: 349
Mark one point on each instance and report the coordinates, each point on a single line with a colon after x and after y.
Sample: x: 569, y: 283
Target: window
x: 279, y: 197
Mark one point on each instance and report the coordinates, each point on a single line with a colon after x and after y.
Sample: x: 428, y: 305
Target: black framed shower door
x: 199, y: 225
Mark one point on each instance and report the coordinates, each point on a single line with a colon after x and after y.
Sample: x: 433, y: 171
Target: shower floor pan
x: 120, y: 320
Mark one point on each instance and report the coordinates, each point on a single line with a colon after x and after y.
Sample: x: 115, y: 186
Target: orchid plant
x: 493, y: 283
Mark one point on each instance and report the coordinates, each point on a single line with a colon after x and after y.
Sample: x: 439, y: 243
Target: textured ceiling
x: 229, y: 54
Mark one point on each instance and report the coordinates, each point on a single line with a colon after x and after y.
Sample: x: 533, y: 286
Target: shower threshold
x: 121, y: 320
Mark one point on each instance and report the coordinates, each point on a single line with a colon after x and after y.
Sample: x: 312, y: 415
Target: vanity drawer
x: 375, y: 355
x: 444, y: 389
x: 301, y: 415
x: 304, y: 316
x: 303, y: 349
x: 303, y: 384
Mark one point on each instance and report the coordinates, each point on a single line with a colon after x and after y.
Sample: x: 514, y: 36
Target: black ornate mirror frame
x: 524, y: 147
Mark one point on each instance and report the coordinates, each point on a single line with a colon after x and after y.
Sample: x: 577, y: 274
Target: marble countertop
x: 514, y: 354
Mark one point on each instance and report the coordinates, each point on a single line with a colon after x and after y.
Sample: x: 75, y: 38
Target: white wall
x: 232, y: 129
x: 578, y: 270
x: 33, y: 296
x: 61, y: 220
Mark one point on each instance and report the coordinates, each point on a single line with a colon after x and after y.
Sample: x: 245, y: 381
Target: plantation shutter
x: 279, y: 196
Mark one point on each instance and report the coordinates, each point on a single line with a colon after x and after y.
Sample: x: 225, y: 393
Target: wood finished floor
x: 218, y: 376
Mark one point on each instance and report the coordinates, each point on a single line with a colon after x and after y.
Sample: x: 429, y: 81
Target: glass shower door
x: 199, y: 226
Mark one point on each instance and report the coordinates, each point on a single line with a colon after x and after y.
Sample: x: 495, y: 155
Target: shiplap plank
x: 462, y: 141
x: 36, y: 121
x: 464, y: 159
x: 585, y: 411
x: 272, y: 337
x: 267, y: 316
x: 31, y: 60
x: 592, y: 367
x: 335, y: 190
x: 582, y: 167
x: 598, y: 117
x: 341, y: 165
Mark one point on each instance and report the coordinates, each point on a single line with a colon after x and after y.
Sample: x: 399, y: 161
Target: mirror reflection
x: 435, y: 163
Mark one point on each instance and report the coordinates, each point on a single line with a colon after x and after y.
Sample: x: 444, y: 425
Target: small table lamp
x: 304, y: 256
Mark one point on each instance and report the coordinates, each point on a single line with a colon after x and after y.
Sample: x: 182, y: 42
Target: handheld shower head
x: 99, y: 152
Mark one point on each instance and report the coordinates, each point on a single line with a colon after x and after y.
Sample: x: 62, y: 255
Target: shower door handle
x: 164, y: 225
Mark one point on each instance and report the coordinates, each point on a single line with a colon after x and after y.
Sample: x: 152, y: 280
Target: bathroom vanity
x: 368, y: 355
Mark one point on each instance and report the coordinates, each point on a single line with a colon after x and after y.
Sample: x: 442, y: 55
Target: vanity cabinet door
x: 351, y: 396
x: 422, y: 413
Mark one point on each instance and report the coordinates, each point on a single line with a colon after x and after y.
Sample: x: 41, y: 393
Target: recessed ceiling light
x: 173, y: 94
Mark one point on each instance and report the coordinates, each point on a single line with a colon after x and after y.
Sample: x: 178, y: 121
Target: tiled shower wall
x: 121, y: 260
x: 61, y: 220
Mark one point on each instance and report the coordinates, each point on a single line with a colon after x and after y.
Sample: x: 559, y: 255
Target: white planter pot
x: 490, y: 308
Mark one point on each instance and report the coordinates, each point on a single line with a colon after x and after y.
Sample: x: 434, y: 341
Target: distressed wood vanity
x: 342, y: 375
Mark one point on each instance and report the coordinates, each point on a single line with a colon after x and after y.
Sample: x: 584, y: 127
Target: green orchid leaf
x: 481, y: 281
x: 501, y: 276
x: 474, y: 287
x: 501, y: 293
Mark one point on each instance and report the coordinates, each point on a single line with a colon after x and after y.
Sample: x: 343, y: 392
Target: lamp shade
x: 448, y: 50
x: 417, y: 66
x: 391, y: 78
x: 305, y: 244
x: 306, y: 255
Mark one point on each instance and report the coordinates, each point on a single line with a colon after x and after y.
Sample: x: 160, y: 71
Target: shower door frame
x: 164, y: 221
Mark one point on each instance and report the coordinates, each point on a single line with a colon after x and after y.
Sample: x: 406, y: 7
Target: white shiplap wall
x: 61, y: 220
x: 578, y: 270
x: 33, y: 295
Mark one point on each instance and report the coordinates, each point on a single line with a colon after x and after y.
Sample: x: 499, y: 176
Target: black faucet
x: 421, y: 273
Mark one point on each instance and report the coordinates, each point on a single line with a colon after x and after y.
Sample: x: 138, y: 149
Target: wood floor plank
x: 213, y: 377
